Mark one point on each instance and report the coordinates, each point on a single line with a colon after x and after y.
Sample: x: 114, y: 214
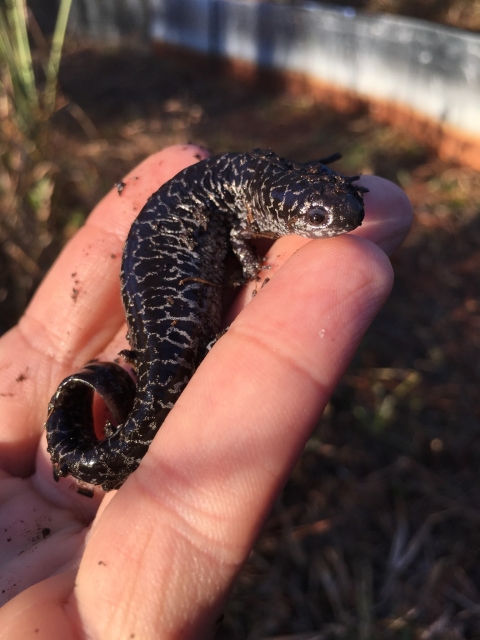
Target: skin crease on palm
x: 157, y: 558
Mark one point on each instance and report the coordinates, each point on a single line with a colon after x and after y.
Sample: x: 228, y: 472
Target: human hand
x: 157, y: 558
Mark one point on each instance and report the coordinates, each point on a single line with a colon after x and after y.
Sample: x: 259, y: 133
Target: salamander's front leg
x: 250, y: 262
x: 245, y: 253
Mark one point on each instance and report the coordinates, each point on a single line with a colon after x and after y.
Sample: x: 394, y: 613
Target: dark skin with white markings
x: 172, y: 276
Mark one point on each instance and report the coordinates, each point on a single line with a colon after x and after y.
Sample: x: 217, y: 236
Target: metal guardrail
x: 431, y: 69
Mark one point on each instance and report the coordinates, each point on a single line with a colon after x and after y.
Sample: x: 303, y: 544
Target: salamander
x: 172, y: 280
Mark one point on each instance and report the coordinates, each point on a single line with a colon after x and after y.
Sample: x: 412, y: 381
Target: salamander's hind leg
x: 129, y: 356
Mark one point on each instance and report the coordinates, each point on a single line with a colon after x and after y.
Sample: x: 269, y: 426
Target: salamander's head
x: 320, y: 208
x: 313, y: 201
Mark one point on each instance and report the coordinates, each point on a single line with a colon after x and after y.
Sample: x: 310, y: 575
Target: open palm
x: 157, y: 558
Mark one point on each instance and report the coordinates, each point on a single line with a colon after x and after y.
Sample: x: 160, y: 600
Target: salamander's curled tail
x: 71, y: 415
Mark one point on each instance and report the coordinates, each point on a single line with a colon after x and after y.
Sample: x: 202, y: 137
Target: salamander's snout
x: 350, y: 212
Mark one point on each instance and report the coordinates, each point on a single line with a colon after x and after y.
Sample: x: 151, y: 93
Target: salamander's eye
x: 316, y: 216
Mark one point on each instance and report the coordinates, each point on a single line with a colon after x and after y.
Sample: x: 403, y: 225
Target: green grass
x: 28, y: 98
x: 31, y: 103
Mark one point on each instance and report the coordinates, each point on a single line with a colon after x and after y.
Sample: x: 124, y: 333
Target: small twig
x: 21, y: 258
x: 82, y: 119
x: 337, y: 562
x: 331, y: 589
x: 463, y: 601
x: 400, y: 560
x: 439, y: 626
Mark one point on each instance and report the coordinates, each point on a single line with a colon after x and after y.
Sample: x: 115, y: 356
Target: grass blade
x: 55, y: 55
x: 24, y: 66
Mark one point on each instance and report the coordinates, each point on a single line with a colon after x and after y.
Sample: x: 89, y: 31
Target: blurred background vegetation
x: 377, y: 533
x: 28, y: 100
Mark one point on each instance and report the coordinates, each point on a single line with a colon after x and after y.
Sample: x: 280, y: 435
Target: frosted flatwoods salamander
x: 172, y: 277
